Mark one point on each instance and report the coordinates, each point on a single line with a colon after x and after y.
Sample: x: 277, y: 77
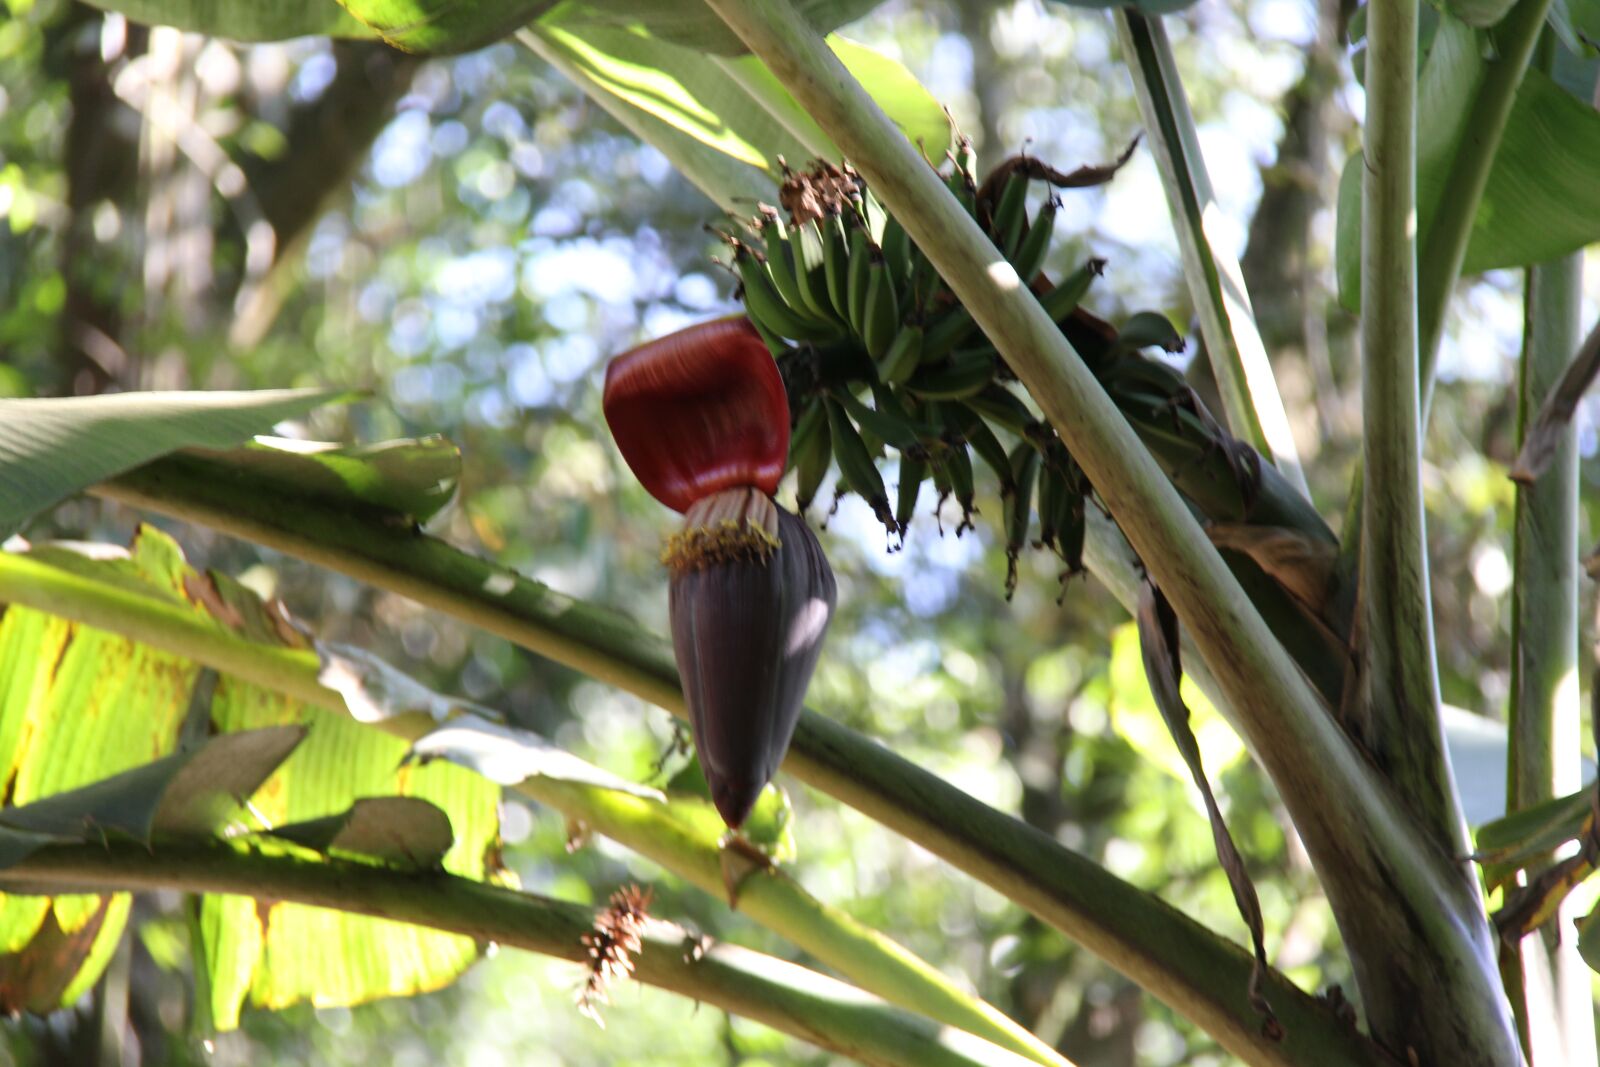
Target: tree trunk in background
x: 101, y: 163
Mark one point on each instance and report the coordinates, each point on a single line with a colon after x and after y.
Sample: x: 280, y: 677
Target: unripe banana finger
x: 1030, y: 253
x: 904, y: 355
x: 964, y: 374
x: 768, y: 310
x: 856, y: 468
x: 1024, y: 468
x: 882, y: 311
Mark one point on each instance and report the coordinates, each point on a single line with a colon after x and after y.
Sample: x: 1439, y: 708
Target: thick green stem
x: 1555, y: 1007
x: 1199, y: 974
x: 1449, y: 230
x: 1402, y: 690
x: 1216, y: 285
x: 782, y: 995
x: 1401, y: 685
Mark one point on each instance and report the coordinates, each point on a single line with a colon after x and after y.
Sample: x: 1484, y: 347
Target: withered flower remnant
x: 703, y: 421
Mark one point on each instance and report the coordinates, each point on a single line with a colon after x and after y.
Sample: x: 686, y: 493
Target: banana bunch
x: 877, y: 354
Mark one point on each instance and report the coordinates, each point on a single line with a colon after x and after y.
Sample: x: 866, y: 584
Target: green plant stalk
x: 1402, y: 690
x: 1398, y: 896
x: 785, y: 996
x: 662, y: 832
x: 1554, y: 1009
x: 1444, y: 243
x: 1198, y: 973
x: 1249, y: 391
x: 1401, y: 685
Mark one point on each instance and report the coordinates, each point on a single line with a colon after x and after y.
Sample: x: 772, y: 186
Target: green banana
x: 962, y: 186
x: 1003, y: 408
x: 964, y: 374
x: 1069, y: 538
x: 1134, y: 373
x: 894, y: 427
x: 1030, y: 253
x: 780, y: 264
x: 905, y: 352
x: 775, y: 344
x: 810, y: 452
x: 1147, y: 329
x: 1010, y: 214
x: 881, y: 314
x: 873, y: 214
x: 856, y: 287
x: 768, y: 309
x: 976, y: 432
x: 896, y: 244
x: 1063, y: 299
x: 810, y: 270
x: 1024, y: 468
x: 941, y: 488
x: 835, y: 263
x: 957, y: 467
x: 856, y: 469
x: 925, y: 280
x: 912, y: 471
x: 966, y: 158
x: 944, y: 333
x: 1052, y: 487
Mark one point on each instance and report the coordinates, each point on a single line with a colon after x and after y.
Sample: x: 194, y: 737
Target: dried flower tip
x: 822, y: 191
x: 611, y: 945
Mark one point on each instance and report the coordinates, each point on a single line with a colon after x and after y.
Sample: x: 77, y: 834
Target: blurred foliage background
x: 470, y: 240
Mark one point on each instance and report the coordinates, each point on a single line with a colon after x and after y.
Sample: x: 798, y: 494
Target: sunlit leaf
x: 692, y: 23
x: 894, y: 88
x: 78, y: 705
x: 509, y: 755
x: 1541, y: 201
x: 413, y: 478
x: 244, y: 20
x: 50, y: 449
x: 724, y: 122
x: 443, y: 25
x: 1589, y: 939
x: 400, y: 831
x: 1506, y: 844
x: 188, y: 793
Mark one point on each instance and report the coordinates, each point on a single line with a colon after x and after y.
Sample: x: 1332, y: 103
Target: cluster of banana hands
x: 852, y: 345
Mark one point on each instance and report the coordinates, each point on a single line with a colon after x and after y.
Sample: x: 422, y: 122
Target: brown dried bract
x: 612, y: 944
x: 821, y: 192
x: 1038, y: 170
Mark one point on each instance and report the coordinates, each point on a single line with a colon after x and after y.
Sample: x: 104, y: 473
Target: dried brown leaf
x: 1304, y: 565
x: 1158, y: 644
x: 1539, y: 444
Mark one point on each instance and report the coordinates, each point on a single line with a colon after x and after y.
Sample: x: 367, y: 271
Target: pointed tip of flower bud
x: 735, y: 797
x: 747, y: 628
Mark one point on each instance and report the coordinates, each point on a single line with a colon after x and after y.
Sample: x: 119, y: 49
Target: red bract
x: 699, y: 411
